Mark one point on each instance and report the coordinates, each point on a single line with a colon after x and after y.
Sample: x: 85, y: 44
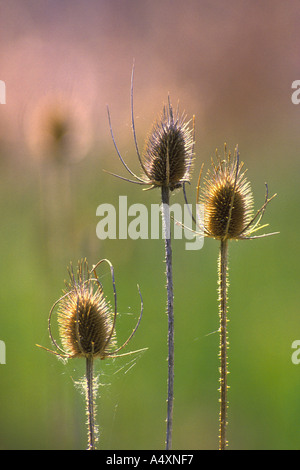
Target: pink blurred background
x: 229, y: 63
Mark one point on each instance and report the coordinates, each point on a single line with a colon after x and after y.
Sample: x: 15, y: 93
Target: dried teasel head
x: 168, y: 156
x: 228, y: 201
x: 84, y: 316
x: 86, y: 319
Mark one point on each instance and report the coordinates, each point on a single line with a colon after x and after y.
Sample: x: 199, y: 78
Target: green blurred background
x: 232, y: 65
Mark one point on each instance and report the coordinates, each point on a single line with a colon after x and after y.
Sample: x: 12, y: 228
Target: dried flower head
x: 228, y: 201
x: 168, y: 157
x: 85, y: 317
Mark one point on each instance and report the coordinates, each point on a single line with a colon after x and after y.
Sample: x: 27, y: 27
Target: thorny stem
x: 168, y: 258
x: 223, y: 267
x: 90, y: 402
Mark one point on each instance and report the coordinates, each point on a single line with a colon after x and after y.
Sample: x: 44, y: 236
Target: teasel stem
x: 170, y: 311
x: 90, y: 404
x: 223, y: 284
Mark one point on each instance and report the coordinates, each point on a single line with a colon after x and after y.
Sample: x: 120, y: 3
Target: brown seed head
x: 168, y: 154
x: 84, y: 317
x: 227, y: 199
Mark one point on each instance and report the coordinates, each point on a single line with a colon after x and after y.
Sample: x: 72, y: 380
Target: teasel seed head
x: 86, y: 319
x: 168, y: 154
x: 228, y: 200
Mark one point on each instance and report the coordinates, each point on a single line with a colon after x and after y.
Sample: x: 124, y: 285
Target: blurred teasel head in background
x: 58, y: 129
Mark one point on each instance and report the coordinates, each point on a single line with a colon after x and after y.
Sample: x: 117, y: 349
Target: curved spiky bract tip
x: 168, y: 155
x: 84, y: 316
x: 228, y: 200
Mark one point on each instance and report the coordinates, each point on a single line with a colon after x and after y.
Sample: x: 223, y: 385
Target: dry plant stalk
x: 228, y: 214
x: 87, y: 329
x: 168, y: 159
x: 166, y: 164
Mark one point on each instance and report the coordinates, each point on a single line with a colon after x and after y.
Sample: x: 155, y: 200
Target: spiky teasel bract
x: 168, y: 156
x: 228, y: 201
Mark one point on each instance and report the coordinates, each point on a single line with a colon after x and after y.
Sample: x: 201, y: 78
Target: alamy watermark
x: 2, y: 352
x: 2, y: 92
x: 296, y: 354
x: 296, y: 94
x: 136, y: 222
